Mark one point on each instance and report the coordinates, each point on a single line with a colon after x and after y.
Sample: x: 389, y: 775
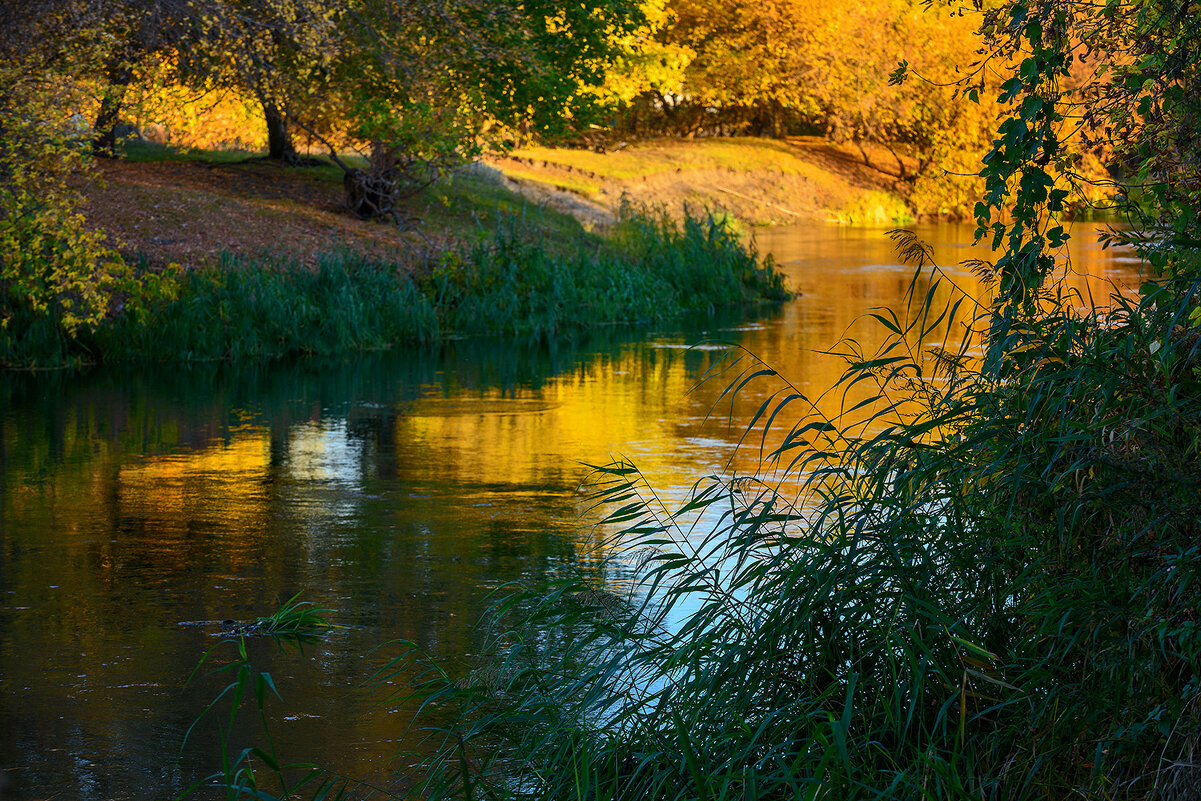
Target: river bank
x: 754, y: 180
x: 189, y: 207
x: 535, y: 241
x: 231, y: 258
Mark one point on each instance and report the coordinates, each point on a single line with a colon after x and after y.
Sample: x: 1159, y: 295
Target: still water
x: 398, y: 490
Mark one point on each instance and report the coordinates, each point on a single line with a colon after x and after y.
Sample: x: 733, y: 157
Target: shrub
x: 56, y: 276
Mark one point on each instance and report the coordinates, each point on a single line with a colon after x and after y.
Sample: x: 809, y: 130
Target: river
x: 396, y: 489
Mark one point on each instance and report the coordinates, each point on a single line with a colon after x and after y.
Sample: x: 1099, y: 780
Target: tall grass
x: 241, y: 310
x: 649, y: 269
x: 256, y: 770
x: 988, y: 591
x: 512, y: 282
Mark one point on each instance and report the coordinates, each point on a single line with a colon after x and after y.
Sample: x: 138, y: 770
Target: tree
x: 267, y: 49
x: 418, y: 85
x: 852, y: 67
x: 424, y: 86
x: 751, y: 58
x: 777, y: 66
x: 280, y: 52
x: 1119, y: 81
x: 644, y: 62
x: 126, y: 35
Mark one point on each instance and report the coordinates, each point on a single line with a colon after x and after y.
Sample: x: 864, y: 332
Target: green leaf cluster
x: 57, y: 276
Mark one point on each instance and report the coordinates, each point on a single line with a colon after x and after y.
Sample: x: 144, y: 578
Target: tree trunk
x: 104, y: 140
x: 279, y: 142
x: 904, y: 175
x: 768, y: 120
x: 866, y: 158
x: 777, y: 120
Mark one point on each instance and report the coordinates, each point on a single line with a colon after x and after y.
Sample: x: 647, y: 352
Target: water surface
x: 398, y: 489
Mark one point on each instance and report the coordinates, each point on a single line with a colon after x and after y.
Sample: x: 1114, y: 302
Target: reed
x: 256, y: 770
x: 295, y: 620
x: 649, y: 269
x: 988, y: 589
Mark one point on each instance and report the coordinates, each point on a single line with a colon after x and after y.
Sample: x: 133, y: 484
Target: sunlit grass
x: 657, y: 157
x: 760, y: 181
x: 138, y: 151
x: 875, y: 208
x: 556, y: 181
x: 465, y: 207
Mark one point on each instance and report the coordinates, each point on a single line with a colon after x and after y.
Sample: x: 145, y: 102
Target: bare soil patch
x: 192, y: 213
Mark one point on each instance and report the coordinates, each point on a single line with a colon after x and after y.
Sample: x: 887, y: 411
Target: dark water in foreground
x: 396, y: 489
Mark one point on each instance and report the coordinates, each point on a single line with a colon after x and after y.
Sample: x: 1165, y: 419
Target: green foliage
x: 1020, y: 170
x: 545, y: 59
x: 425, y: 87
x: 56, y: 278
x: 1136, y: 107
x: 644, y: 61
x: 241, y: 310
x: 649, y: 270
x: 1150, y: 105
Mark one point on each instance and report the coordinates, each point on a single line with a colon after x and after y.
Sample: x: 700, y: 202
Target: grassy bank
x: 194, y: 208
x: 519, y: 280
x: 758, y: 181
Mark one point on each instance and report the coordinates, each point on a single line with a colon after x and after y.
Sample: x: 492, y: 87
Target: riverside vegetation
x: 980, y: 583
x: 648, y: 268
x: 420, y: 94
x: 69, y: 295
x: 486, y: 263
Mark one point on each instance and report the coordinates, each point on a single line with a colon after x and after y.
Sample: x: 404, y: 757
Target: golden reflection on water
x: 531, y: 436
x: 173, y: 489
x: 844, y: 277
